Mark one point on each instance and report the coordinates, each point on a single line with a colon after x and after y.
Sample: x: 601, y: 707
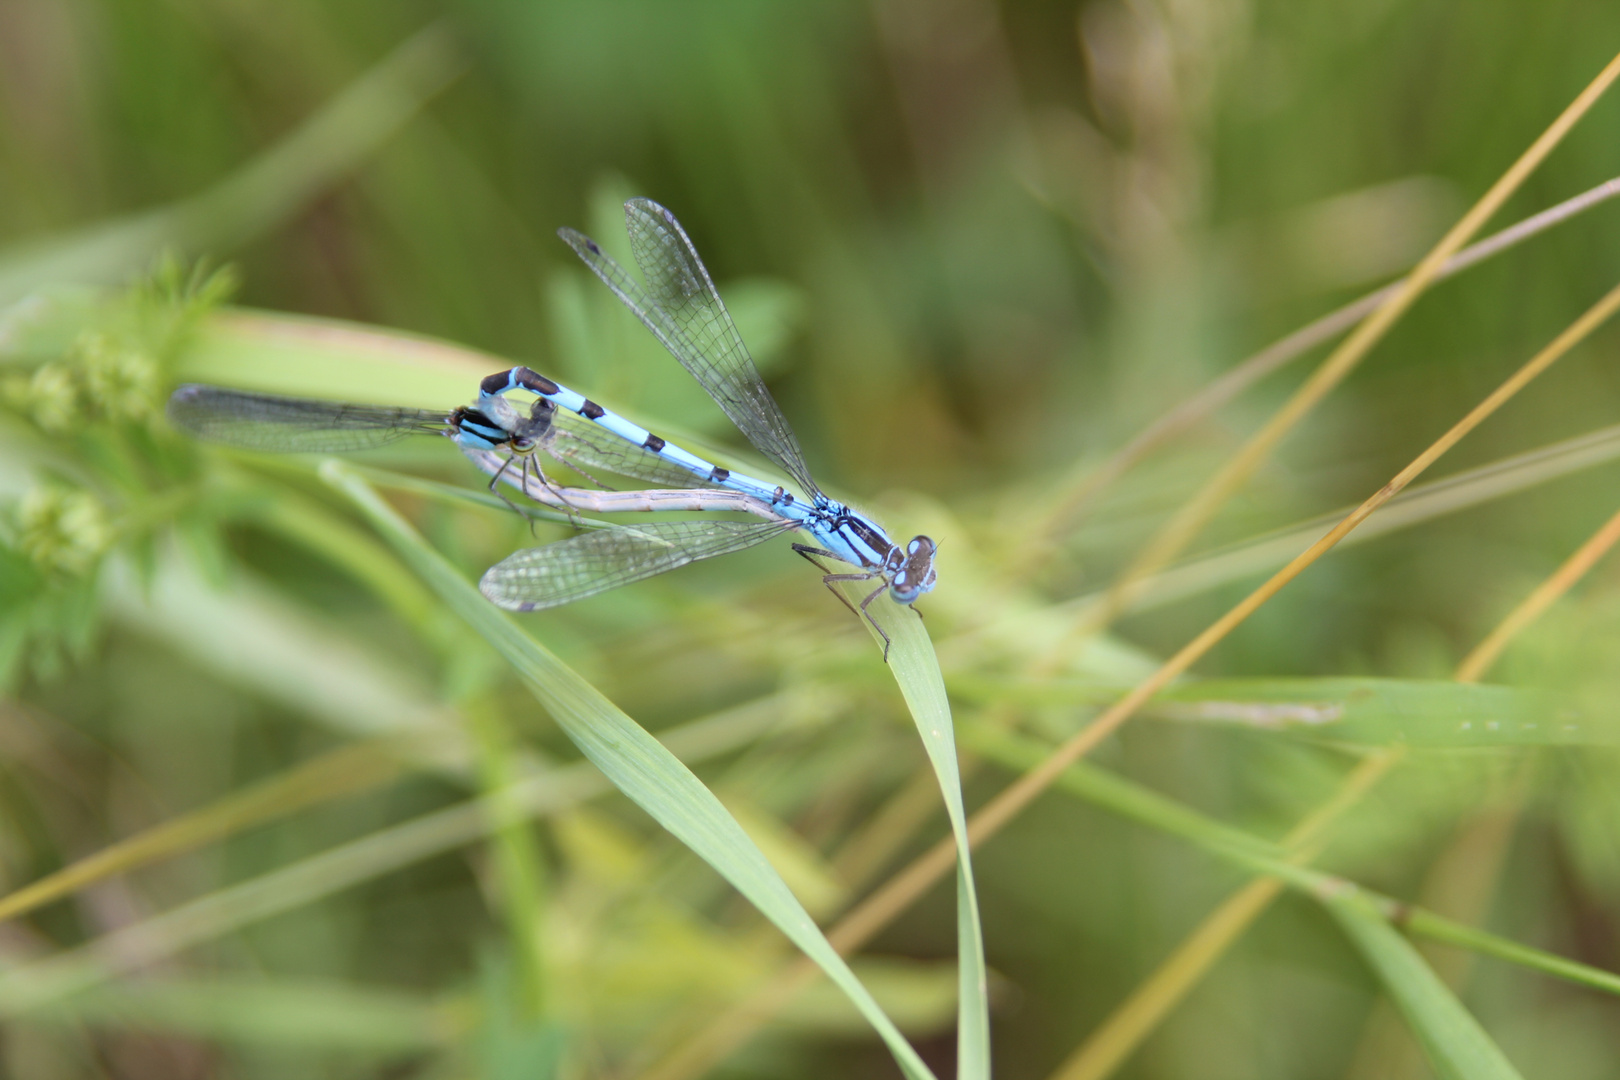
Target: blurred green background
x: 975, y: 249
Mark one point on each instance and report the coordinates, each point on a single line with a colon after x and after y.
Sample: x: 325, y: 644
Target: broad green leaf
x: 636, y: 763
x: 1381, y: 712
x: 1457, y: 1046
x: 1436, y: 713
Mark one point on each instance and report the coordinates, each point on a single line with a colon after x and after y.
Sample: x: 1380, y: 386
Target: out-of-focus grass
x: 976, y: 249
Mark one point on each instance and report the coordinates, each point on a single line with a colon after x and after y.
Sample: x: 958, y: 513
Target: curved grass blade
x: 1137, y: 803
x: 636, y: 763
x: 916, y: 670
x: 1457, y: 1046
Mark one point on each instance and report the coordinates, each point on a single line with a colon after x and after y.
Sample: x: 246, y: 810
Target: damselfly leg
x: 831, y: 580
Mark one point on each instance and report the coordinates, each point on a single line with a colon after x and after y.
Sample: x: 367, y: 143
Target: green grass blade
x: 1439, y: 713
x: 545, y: 791
x: 1131, y: 800
x: 263, y: 1012
x: 915, y: 666
x: 1434, y: 713
x: 1457, y: 1046
x: 1418, y: 505
x: 636, y: 763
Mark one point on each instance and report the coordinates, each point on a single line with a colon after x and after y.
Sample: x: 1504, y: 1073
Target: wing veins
x: 603, y: 559
x: 269, y: 422
x: 682, y: 308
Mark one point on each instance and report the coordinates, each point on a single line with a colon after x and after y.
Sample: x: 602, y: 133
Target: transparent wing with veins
x: 266, y: 422
x: 602, y: 559
x: 682, y: 308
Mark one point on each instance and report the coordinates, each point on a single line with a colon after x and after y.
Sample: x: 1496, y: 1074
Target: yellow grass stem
x: 1123, y: 1031
x: 344, y: 771
x: 1485, y: 654
x: 867, y: 918
x: 1191, y: 518
x: 1088, y: 481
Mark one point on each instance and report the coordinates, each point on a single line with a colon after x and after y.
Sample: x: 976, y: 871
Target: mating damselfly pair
x: 682, y: 308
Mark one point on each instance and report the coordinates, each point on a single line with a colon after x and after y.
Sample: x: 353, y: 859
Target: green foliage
x: 106, y: 467
x: 975, y: 249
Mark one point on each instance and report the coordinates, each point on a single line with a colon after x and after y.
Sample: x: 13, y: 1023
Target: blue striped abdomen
x: 521, y: 378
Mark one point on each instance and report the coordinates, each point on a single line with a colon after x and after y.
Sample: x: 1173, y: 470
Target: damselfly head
x: 915, y: 574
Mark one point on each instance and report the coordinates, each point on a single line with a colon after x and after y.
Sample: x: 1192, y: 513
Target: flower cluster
x: 62, y: 530
x: 98, y: 379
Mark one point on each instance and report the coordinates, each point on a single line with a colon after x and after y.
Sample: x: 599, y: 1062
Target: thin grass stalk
x: 1087, y: 482
x: 911, y: 882
x: 310, y: 879
x: 346, y: 771
x: 1123, y: 1031
x: 1485, y: 654
x: 1118, y: 1036
x: 1480, y: 850
x: 642, y: 768
x: 732, y: 1029
x: 1418, y: 504
x: 1191, y: 518
x: 1137, y: 803
x: 871, y: 915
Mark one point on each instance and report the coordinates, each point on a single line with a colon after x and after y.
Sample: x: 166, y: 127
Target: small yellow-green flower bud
x: 52, y: 398
x: 120, y: 382
x: 63, y: 530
